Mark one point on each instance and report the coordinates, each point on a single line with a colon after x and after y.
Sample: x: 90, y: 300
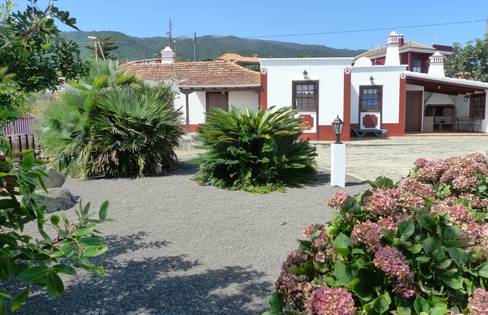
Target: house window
x: 477, y: 106
x: 417, y: 65
x: 305, y: 96
x: 370, y: 98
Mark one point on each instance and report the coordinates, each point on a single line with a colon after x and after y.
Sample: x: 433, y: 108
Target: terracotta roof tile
x: 234, y: 57
x: 382, y: 50
x: 196, y: 74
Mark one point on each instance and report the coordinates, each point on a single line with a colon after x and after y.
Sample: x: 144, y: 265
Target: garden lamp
x: 338, y: 125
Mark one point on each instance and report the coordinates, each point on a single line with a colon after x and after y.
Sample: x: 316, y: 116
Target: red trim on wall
x: 346, y: 134
x: 191, y: 127
x: 263, y: 91
x: 403, y: 100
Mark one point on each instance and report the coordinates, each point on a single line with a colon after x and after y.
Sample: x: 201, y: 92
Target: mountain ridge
x: 208, y: 46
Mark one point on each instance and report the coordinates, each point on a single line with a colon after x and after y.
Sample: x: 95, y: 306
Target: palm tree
x: 104, y: 47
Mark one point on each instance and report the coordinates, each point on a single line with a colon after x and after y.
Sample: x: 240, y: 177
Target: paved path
x: 180, y: 248
x: 392, y: 157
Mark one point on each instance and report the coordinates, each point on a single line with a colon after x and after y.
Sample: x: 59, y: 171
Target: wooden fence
x: 20, y: 136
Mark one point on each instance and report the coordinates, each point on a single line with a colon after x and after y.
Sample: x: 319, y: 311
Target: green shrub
x: 255, y: 151
x: 63, y: 245
x: 111, y: 124
x: 415, y: 247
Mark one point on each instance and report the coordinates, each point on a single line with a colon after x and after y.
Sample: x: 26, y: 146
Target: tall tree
x: 103, y: 47
x: 33, y: 57
x: 31, y: 46
x: 470, y: 61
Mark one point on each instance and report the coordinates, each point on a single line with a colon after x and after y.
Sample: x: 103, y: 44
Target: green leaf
x: 54, y: 284
x: 421, y: 305
x: 455, y: 282
x: 405, y: 230
x: 103, y: 212
x: 459, y: 256
x: 382, y: 303
x: 382, y: 182
x: 483, y: 272
x: 64, y: 269
x: 93, y: 251
x: 341, y: 244
x: 54, y: 219
x: 276, y: 303
x: 17, y: 302
x: 34, y: 274
x: 85, y: 230
x: 403, y: 310
x: 341, y: 273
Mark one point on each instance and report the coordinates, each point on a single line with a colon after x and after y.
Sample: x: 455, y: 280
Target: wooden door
x: 217, y: 100
x: 413, y: 111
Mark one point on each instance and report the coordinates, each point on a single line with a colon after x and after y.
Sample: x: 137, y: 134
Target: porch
x: 440, y: 105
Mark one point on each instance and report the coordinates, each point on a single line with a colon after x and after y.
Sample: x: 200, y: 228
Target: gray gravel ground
x: 180, y: 248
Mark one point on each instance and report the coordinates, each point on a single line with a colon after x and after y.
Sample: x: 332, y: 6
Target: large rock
x: 56, y: 199
x: 54, y: 179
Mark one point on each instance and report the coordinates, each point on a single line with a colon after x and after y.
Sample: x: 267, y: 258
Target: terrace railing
x: 21, y: 137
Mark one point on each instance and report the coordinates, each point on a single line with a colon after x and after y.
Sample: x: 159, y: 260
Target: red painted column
x: 263, y: 91
x: 402, y: 107
x: 346, y: 134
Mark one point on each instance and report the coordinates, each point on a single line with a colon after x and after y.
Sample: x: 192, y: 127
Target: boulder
x: 54, y: 179
x: 56, y: 199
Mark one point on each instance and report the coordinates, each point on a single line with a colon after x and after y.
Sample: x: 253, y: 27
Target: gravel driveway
x: 180, y: 248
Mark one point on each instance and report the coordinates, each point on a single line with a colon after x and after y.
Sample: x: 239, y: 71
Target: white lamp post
x: 338, y: 156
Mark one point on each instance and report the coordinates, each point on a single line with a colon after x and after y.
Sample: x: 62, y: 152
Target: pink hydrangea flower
x: 392, y: 262
x: 367, y: 233
x: 478, y: 303
x: 331, y: 301
x: 387, y: 224
x: 413, y: 186
x: 464, y: 182
x: 293, y: 287
x: 383, y: 202
x: 420, y: 162
x: 295, y: 258
x: 312, y: 228
x: 338, y: 199
x: 458, y: 213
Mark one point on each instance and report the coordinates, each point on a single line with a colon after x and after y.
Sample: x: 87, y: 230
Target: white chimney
x: 392, y: 52
x: 436, y: 66
x: 168, y: 55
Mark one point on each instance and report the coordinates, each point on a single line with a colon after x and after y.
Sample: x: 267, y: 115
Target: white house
x: 201, y: 85
x: 393, y: 94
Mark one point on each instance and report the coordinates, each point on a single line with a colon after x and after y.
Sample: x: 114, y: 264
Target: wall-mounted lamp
x: 466, y: 98
x: 371, y: 79
x: 305, y: 75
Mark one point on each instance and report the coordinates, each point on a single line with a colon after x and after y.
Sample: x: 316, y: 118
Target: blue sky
x: 254, y: 18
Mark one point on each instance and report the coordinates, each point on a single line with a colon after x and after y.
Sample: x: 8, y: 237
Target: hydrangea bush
x: 418, y: 246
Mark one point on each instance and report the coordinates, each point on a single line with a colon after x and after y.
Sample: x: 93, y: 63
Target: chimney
x: 436, y: 66
x: 168, y: 55
x: 392, y: 53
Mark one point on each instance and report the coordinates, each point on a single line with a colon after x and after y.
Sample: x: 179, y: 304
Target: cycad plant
x: 255, y: 151
x: 110, y: 124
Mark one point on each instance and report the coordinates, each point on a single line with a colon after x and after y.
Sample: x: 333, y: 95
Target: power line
x: 371, y: 29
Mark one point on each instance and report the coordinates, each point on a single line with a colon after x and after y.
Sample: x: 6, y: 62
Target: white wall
x: 389, y: 78
x: 197, y: 103
x: 328, y: 71
x: 243, y: 99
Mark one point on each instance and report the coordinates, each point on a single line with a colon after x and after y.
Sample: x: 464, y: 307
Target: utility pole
x: 170, y: 34
x: 195, y: 46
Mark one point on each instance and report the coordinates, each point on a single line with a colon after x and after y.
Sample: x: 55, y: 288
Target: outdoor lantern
x: 371, y: 79
x: 305, y: 74
x: 466, y: 97
x: 338, y: 125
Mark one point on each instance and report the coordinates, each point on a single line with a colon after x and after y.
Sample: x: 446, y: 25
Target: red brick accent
x: 263, y: 91
x: 400, y: 129
x: 191, y: 127
x: 346, y: 134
